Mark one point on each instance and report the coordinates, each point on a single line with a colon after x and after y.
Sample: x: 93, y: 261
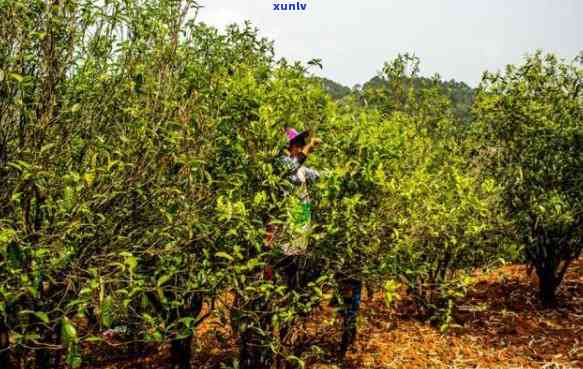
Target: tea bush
x: 137, y: 178
x: 530, y: 122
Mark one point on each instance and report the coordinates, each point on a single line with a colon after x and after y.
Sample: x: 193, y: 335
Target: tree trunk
x: 181, y: 351
x: 49, y: 358
x: 43, y: 359
x: 547, y: 285
x: 5, y: 360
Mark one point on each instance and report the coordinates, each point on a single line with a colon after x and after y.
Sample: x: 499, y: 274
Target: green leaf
x: 165, y: 278
x: 6, y: 235
x: 68, y: 331
x: 93, y: 339
x: 47, y: 147
x: 224, y: 255
x: 68, y: 198
x: 73, y: 356
x: 297, y: 360
x: 107, y: 312
x: 42, y: 316
x: 89, y: 178
x: 132, y: 262
x: 17, y: 77
x: 39, y: 314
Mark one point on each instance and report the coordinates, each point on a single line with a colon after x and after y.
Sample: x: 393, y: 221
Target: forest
x: 139, y: 182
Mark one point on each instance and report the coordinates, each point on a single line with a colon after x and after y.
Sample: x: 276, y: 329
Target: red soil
x: 500, y: 324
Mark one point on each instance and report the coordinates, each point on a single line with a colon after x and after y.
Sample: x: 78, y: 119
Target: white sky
x: 455, y: 38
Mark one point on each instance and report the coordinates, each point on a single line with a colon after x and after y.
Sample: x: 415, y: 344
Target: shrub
x: 531, y: 119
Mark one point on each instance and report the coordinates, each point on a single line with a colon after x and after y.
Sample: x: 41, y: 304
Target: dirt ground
x: 499, y: 325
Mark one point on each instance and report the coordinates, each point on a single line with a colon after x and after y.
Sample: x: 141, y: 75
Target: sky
x: 458, y: 39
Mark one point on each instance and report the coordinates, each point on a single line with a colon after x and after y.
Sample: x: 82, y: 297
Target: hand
x: 314, y: 143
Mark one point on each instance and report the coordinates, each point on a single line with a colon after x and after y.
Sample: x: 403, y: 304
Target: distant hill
x: 460, y: 94
x: 335, y: 89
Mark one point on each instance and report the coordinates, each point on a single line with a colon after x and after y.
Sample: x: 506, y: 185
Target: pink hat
x: 296, y: 137
x: 291, y: 133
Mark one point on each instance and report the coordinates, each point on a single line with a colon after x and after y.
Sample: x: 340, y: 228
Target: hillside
x: 335, y: 89
x: 459, y: 93
x: 164, y: 183
x: 500, y: 324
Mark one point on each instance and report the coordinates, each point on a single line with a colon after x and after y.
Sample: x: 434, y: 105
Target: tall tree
x: 532, y: 118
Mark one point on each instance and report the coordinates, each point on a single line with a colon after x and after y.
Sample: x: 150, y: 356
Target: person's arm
x: 311, y: 146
